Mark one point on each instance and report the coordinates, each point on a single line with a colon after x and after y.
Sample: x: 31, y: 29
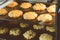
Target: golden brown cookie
x: 13, y: 4
x: 51, y: 9
x: 25, y: 5
x: 45, y: 18
x: 3, y: 11
x: 15, y: 13
x: 30, y: 15
x: 39, y: 6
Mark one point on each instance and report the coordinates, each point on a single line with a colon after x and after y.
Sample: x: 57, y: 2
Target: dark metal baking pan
x: 20, y: 1
x: 14, y: 23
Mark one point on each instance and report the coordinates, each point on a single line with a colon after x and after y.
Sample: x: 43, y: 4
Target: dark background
x: 58, y: 20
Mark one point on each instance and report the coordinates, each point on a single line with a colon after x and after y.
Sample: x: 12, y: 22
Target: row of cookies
x: 46, y: 17
x: 37, y: 7
x: 51, y: 29
x: 29, y: 34
x: 38, y: 27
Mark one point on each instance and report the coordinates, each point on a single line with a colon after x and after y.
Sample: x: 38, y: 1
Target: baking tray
x: 14, y: 23
x: 17, y: 7
x: 20, y: 19
x: 11, y: 25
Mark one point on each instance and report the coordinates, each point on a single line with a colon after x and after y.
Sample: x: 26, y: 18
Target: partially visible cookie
x: 3, y: 11
x: 3, y: 30
x: 13, y: 4
x: 50, y: 29
x: 45, y: 36
x: 51, y: 9
x: 45, y: 18
x: 25, y: 5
